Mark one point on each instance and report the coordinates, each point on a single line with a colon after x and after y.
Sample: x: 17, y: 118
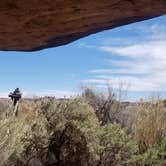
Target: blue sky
x: 134, y: 55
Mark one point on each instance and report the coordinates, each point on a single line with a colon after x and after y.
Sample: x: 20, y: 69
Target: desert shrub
x: 108, y: 144
x: 155, y: 156
x: 107, y: 107
x: 69, y: 131
x: 51, y: 132
x: 4, y: 108
x: 13, y: 130
x: 162, y: 152
x: 148, y: 158
x: 149, y: 126
x: 118, y: 148
x: 77, y: 112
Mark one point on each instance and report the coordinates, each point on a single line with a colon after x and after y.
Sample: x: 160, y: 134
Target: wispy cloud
x: 149, y: 49
x: 140, y: 63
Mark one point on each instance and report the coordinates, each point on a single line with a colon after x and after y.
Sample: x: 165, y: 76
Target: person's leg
x: 14, y: 105
x: 14, y: 102
x: 15, y: 108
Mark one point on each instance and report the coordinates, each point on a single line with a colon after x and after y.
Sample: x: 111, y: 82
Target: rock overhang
x: 30, y: 25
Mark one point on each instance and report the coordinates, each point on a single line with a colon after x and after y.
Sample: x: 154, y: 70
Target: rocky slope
x: 27, y: 25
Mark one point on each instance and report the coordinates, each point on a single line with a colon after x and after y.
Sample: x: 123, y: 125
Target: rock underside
x: 29, y: 25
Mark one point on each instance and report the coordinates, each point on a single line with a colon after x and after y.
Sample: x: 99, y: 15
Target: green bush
x: 108, y: 144
x: 118, y: 147
x: 77, y: 112
x: 148, y: 158
x: 155, y: 156
x: 70, y: 132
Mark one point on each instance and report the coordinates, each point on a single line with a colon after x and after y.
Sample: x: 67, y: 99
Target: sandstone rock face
x: 28, y: 25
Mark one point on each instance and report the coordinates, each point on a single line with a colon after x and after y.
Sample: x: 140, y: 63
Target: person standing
x: 15, y: 97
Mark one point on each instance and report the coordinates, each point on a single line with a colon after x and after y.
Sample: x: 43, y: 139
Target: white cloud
x: 134, y: 83
x: 124, y: 69
x: 151, y: 49
x: 84, y: 45
x: 153, y: 31
x: 141, y: 63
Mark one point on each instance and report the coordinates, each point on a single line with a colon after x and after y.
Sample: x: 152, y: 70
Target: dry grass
x: 149, y: 125
x: 13, y: 128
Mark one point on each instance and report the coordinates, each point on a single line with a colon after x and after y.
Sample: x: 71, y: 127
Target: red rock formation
x: 27, y: 25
